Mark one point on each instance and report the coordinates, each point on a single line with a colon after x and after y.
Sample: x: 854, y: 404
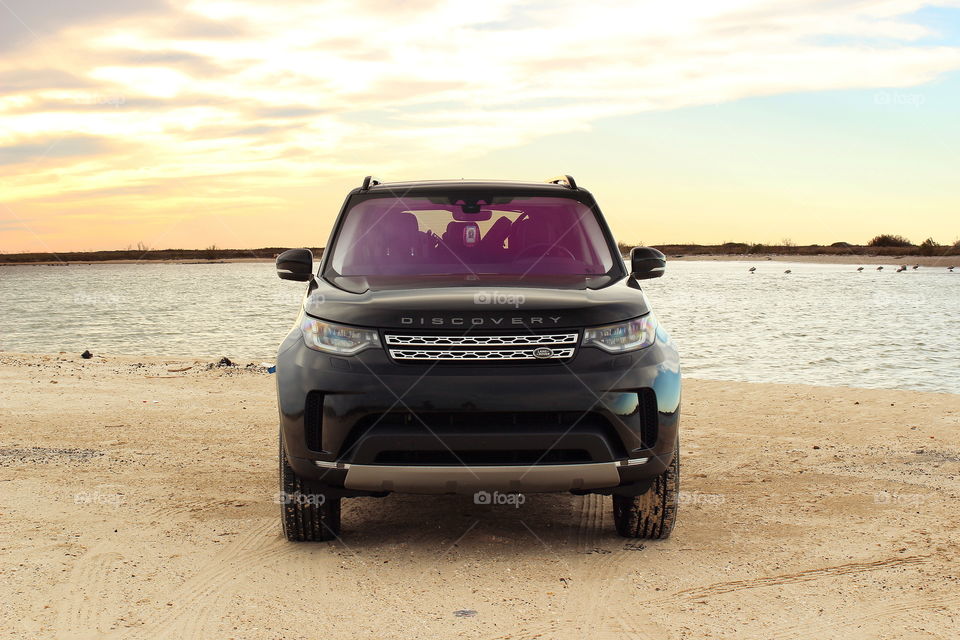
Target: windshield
x: 453, y: 236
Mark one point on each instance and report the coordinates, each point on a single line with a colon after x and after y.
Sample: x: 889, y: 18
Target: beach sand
x: 138, y: 502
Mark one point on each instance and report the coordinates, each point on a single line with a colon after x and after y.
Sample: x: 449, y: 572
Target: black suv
x: 476, y: 336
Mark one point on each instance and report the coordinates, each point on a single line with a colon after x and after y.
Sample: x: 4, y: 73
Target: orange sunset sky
x: 243, y: 123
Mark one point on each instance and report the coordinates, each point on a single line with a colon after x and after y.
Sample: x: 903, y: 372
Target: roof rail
x: 368, y: 182
x: 570, y: 182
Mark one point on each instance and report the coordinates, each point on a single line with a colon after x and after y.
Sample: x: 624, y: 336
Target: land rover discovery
x: 468, y: 336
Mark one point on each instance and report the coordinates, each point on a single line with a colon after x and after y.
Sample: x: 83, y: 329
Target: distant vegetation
x: 882, y: 245
x: 144, y: 254
x: 930, y: 247
x: 885, y: 245
x: 887, y: 240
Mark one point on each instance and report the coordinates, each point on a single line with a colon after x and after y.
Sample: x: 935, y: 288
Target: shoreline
x: 85, y: 263
x: 864, y: 260
x: 246, y: 362
x: 140, y: 501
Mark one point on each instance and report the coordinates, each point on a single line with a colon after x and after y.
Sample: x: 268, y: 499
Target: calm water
x: 821, y: 324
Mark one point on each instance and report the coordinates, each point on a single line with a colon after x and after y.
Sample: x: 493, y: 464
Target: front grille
x: 500, y: 354
x: 470, y: 341
x: 557, y: 346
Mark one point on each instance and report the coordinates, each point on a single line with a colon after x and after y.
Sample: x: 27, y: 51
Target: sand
x: 138, y: 502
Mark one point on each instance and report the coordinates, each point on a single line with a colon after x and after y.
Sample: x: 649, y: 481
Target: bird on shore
x: 902, y: 268
x: 859, y: 268
x: 916, y: 266
x: 752, y: 269
x: 880, y: 268
x: 788, y: 271
x: 950, y: 269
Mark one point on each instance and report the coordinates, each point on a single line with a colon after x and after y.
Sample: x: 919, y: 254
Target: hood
x: 478, y: 307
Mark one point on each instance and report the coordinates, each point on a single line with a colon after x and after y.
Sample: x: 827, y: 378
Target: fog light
x: 323, y: 464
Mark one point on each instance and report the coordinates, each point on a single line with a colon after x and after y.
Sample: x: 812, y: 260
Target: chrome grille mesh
x: 556, y: 346
x: 470, y: 341
x: 498, y: 354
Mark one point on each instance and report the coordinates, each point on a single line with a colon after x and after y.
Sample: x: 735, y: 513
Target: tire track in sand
x: 88, y: 598
x: 800, y: 576
x: 586, y: 615
x: 829, y: 629
x: 601, y: 574
x: 588, y: 516
x: 196, y: 601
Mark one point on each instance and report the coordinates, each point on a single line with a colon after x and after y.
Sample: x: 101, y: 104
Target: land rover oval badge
x: 543, y: 352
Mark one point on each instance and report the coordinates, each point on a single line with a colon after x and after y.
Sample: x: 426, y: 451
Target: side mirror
x: 646, y: 263
x: 295, y: 264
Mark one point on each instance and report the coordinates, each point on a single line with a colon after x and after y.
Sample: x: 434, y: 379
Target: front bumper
x: 366, y: 425
x: 467, y: 480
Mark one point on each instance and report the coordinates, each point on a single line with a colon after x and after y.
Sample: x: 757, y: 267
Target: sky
x: 243, y: 123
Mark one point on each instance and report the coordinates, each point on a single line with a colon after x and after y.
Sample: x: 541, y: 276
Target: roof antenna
x: 568, y: 179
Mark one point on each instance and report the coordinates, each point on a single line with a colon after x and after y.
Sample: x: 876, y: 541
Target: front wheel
x: 307, y: 514
x: 652, y: 514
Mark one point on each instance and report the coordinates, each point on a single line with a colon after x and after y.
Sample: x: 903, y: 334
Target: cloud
x: 271, y: 113
x: 14, y: 225
x: 58, y: 149
x: 198, y: 66
x: 185, y: 26
x: 328, y: 88
x: 24, y: 81
x: 27, y: 20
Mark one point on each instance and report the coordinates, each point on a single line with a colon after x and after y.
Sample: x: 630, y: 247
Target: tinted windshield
x: 437, y: 236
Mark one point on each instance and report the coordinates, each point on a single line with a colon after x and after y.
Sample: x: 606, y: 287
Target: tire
x: 651, y: 515
x: 307, y: 514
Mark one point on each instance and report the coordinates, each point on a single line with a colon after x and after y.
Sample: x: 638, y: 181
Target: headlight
x: 337, y: 338
x: 625, y: 336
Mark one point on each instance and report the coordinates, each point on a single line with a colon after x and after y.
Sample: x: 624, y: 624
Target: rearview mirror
x: 479, y: 216
x: 646, y: 263
x: 295, y: 264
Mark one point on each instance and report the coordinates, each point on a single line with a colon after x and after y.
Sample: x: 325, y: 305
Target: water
x: 239, y: 309
x: 821, y: 324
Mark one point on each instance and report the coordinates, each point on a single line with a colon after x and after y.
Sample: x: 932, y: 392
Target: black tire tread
x: 305, y: 522
x: 653, y: 514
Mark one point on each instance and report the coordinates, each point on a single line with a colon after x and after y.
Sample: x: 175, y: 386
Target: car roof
x: 417, y: 187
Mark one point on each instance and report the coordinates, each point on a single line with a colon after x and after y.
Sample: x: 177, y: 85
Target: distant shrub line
x: 144, y: 254
x: 882, y: 245
x: 928, y: 248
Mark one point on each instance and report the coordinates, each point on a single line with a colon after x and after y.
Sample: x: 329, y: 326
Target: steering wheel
x: 550, y: 247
